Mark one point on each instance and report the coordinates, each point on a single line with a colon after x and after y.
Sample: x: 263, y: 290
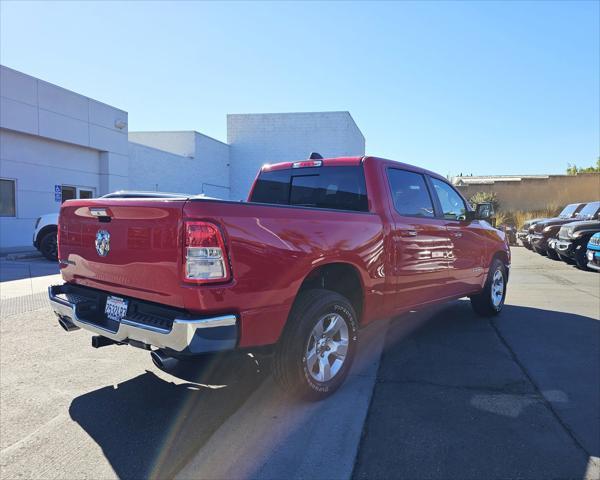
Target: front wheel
x: 491, y: 300
x: 552, y: 254
x: 318, y: 345
x: 49, y: 246
x: 581, y: 260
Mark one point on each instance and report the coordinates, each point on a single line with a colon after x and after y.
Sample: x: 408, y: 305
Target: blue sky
x: 473, y: 87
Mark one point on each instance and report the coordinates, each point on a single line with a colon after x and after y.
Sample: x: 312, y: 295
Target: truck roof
x: 345, y: 162
x: 327, y: 162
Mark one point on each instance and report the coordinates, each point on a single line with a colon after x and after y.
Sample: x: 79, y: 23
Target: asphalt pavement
x: 451, y: 396
x: 517, y: 396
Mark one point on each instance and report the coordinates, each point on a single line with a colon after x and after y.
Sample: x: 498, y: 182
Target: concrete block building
x: 256, y: 139
x: 57, y: 145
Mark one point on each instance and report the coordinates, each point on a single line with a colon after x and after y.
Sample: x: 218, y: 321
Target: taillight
x: 205, y: 258
x: 307, y: 163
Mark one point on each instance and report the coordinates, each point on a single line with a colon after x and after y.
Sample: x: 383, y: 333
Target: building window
x: 7, y: 198
x: 69, y: 192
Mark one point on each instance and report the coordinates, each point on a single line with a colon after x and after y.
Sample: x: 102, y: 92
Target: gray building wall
x: 196, y: 162
x: 256, y: 139
x: 37, y: 164
x: 50, y: 136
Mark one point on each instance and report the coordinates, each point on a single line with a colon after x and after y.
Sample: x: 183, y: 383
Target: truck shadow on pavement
x: 150, y: 428
x: 466, y: 397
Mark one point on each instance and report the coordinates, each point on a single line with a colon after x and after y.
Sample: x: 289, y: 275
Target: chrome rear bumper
x: 186, y: 335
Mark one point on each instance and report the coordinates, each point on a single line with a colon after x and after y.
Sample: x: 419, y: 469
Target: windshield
x: 589, y: 211
x: 568, y: 211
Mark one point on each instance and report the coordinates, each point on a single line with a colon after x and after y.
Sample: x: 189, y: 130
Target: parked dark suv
x: 523, y: 234
x: 573, y: 237
x: 545, y: 229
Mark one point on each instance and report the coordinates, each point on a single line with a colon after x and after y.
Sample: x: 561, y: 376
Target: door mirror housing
x: 485, y: 211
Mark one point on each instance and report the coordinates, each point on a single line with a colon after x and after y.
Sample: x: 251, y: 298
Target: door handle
x: 408, y: 233
x: 456, y: 234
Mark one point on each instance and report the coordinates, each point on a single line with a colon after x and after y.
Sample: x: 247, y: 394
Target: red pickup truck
x: 321, y: 248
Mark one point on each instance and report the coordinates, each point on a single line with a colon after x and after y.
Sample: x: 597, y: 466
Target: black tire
x: 581, y: 260
x: 566, y: 259
x: 49, y: 246
x: 483, y: 303
x: 290, y: 368
x: 552, y: 254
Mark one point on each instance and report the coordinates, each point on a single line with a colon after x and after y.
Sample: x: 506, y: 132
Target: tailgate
x: 124, y: 246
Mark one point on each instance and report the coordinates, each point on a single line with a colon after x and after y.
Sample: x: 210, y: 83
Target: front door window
x: 453, y: 206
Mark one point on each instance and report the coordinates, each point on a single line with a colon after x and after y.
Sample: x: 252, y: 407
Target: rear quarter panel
x: 272, y: 249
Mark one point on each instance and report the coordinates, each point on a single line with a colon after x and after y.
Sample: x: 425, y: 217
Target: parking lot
x: 438, y: 393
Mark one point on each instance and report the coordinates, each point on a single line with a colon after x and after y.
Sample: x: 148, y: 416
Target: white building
x: 56, y: 144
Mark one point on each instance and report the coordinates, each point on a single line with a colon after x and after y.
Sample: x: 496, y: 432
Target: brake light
x: 307, y: 163
x: 204, y: 253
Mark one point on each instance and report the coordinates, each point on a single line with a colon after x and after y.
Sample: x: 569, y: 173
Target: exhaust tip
x: 67, y: 325
x: 162, y: 361
x: 99, y: 341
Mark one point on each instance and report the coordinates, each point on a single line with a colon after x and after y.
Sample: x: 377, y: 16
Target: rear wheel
x: 318, y: 345
x: 49, y: 246
x: 491, y: 300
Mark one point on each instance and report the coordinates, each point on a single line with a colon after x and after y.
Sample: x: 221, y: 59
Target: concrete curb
x: 22, y: 256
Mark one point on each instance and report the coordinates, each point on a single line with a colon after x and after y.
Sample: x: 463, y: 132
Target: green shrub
x: 485, y: 197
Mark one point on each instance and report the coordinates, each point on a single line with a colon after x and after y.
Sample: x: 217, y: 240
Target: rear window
x: 339, y: 188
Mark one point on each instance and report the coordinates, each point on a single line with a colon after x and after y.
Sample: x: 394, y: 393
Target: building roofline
x: 181, y: 131
x: 63, y: 88
x: 346, y: 112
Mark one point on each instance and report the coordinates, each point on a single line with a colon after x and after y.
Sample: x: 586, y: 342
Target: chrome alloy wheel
x: 497, y: 288
x: 327, y: 347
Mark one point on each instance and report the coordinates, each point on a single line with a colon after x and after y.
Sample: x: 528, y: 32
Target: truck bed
x: 270, y: 248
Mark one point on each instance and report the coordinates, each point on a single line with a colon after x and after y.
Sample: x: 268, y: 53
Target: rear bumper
x: 184, y: 335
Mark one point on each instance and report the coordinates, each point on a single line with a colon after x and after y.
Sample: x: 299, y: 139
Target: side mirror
x: 485, y: 211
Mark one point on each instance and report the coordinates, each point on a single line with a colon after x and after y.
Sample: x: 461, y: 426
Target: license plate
x: 116, y: 308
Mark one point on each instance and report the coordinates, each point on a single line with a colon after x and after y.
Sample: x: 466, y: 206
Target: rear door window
x: 339, y: 188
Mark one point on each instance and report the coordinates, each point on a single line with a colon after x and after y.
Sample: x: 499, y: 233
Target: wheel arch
x: 44, y: 231
x: 341, y: 277
x: 503, y: 257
